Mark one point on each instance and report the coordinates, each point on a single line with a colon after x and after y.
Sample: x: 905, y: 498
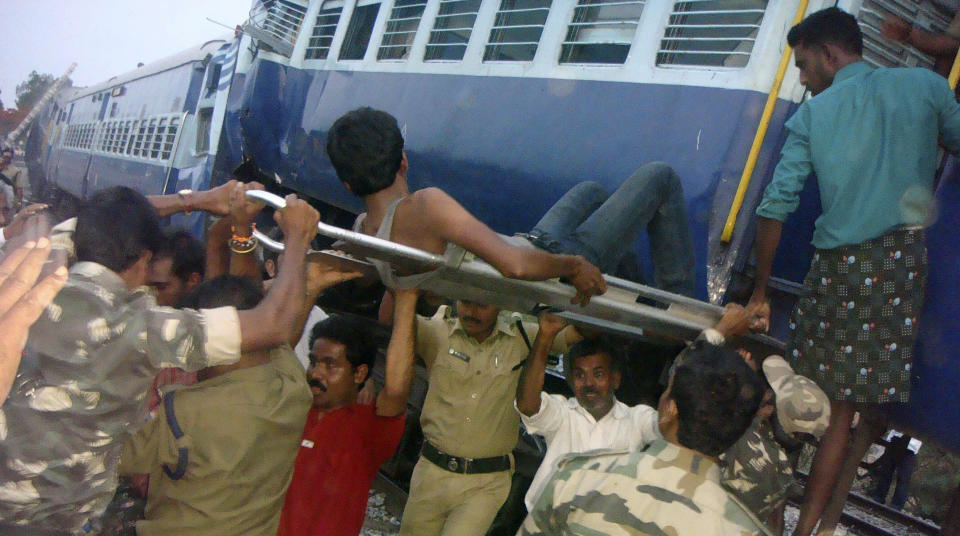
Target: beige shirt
x: 469, y: 411
x: 241, y: 434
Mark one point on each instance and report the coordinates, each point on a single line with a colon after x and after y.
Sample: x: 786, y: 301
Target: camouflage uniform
x: 757, y: 468
x: 664, y: 489
x: 83, y: 380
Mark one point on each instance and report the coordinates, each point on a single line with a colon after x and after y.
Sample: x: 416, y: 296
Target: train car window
x: 158, y: 136
x: 601, y: 31
x: 401, y: 29
x: 283, y: 19
x: 129, y: 135
x: 213, y: 78
x: 882, y: 52
x: 516, y: 30
x: 204, y: 119
x: 358, y: 32
x: 714, y: 33
x: 323, y: 29
x: 452, y: 29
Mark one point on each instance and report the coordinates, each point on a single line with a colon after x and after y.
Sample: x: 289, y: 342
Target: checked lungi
x: 853, y: 331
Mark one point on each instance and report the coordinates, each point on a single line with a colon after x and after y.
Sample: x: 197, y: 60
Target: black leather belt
x: 466, y: 466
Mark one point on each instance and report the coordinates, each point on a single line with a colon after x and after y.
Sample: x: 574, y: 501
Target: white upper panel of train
x: 734, y: 44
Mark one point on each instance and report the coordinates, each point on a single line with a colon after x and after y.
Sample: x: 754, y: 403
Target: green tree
x: 32, y: 89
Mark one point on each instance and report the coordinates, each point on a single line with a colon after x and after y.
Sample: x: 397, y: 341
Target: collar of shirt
x: 686, y: 459
x: 98, y: 274
x: 619, y: 410
x: 851, y: 70
x: 502, y: 326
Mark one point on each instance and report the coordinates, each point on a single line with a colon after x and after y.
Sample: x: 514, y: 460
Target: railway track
x: 869, y: 518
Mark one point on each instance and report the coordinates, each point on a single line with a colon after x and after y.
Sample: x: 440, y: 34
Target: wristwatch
x: 186, y: 202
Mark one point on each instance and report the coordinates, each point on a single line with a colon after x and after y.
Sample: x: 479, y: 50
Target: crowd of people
x: 204, y: 377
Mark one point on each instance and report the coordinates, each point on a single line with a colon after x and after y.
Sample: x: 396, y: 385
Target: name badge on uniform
x: 459, y: 355
x: 306, y: 443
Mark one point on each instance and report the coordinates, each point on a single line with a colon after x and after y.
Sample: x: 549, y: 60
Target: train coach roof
x: 192, y: 54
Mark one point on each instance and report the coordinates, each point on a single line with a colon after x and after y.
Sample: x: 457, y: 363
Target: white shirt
x: 569, y: 428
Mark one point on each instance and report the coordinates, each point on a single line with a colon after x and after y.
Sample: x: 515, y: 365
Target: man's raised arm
x: 273, y: 321
x: 535, y: 369
x: 392, y: 401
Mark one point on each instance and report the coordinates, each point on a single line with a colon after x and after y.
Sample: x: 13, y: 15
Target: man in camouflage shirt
x: 673, y: 485
x: 759, y: 468
x: 91, y: 357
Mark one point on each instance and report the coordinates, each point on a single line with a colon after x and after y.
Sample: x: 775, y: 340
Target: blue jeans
x: 602, y: 227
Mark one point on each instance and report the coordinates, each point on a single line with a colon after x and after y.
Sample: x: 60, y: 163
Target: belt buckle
x: 452, y: 464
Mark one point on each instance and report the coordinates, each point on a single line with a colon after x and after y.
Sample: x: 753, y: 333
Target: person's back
x: 220, y: 453
x: 661, y: 489
x: 241, y: 432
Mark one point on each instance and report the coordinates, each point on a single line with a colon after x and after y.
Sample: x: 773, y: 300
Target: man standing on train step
x: 870, y: 135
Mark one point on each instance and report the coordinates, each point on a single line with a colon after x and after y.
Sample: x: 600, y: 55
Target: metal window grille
x: 323, y: 30
x: 401, y: 29
x: 140, y: 143
x: 713, y: 33
x: 130, y: 133
x: 158, y: 137
x: 452, y: 29
x: 166, y: 149
x: 358, y: 32
x: 283, y: 20
x: 883, y: 52
x: 601, y: 31
x: 516, y: 30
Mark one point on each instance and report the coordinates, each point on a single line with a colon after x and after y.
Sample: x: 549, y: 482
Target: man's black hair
x: 188, y: 254
x: 225, y: 291
x: 366, y: 148
x: 352, y: 334
x: 828, y: 26
x: 598, y: 345
x: 115, y: 226
x: 717, y: 395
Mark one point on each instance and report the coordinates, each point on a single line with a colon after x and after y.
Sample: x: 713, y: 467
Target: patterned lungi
x: 854, y: 329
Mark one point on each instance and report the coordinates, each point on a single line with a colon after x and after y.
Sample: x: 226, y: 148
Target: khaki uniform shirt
x: 468, y: 411
x: 662, y: 489
x: 241, y: 433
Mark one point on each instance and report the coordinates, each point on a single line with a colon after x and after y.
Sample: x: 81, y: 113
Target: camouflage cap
x: 801, y: 405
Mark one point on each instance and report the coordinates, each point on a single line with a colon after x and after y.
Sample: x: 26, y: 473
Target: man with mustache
x: 594, y: 418
x: 469, y: 425
x: 344, y: 443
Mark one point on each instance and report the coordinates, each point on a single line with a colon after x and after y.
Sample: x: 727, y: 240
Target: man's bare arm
x: 273, y: 321
x: 392, y: 401
x: 535, y: 369
x: 765, y: 248
x: 442, y: 214
x: 215, y: 201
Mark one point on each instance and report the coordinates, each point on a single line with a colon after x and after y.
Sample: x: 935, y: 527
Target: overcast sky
x: 104, y: 37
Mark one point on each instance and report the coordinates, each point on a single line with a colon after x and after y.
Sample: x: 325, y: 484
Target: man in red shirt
x: 344, y: 443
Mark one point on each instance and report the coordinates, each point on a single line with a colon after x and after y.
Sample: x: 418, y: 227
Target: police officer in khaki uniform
x: 469, y: 424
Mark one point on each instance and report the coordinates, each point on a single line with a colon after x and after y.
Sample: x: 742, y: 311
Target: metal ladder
x: 677, y: 317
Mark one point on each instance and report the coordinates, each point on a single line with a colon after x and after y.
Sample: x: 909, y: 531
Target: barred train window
x: 601, y: 31
x: 451, y: 30
x: 883, y: 52
x: 715, y: 33
x: 283, y: 19
x: 516, y: 30
x: 358, y: 32
x: 323, y: 29
x: 401, y: 29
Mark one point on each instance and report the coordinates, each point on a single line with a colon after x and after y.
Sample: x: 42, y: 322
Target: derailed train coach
x: 154, y: 129
x: 506, y: 104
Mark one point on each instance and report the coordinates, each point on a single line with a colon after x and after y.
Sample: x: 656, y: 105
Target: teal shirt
x: 871, y: 138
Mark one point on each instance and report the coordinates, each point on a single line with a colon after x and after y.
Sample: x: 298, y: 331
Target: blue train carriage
x: 508, y: 103
x: 153, y: 129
